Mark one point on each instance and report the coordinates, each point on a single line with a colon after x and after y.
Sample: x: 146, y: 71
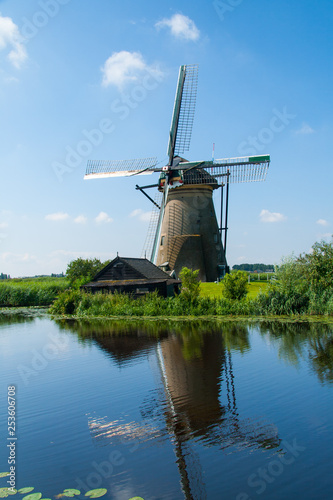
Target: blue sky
x: 95, y: 79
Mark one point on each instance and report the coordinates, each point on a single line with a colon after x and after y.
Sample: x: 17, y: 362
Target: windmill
x: 186, y: 232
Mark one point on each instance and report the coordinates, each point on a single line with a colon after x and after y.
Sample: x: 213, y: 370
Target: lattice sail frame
x: 97, y: 169
x: 183, y: 112
x: 233, y: 170
x: 184, y: 109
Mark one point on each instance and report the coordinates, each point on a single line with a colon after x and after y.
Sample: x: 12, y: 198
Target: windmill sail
x: 236, y: 170
x: 159, y: 224
x: 183, y: 111
x: 151, y: 233
x: 98, y: 169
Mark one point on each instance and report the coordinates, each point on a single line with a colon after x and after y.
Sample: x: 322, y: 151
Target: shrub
x: 190, y: 284
x: 67, y: 302
x: 234, y: 285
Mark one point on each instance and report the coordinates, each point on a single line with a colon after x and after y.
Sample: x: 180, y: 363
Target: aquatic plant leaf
x: 33, y: 496
x: 26, y: 490
x: 136, y: 498
x: 4, y: 474
x: 5, y: 492
x: 70, y: 492
x: 45, y: 499
x: 99, y: 492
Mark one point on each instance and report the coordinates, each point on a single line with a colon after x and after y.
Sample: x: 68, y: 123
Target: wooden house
x: 133, y: 276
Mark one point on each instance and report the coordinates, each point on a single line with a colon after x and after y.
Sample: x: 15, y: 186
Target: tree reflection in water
x: 312, y: 341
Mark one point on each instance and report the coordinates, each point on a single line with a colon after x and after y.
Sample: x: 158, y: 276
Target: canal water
x: 177, y: 410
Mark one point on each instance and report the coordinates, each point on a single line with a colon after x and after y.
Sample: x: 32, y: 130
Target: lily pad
x: 136, y: 498
x: 70, y: 492
x: 99, y: 492
x: 33, y: 496
x: 5, y: 492
x: 26, y: 490
x: 4, y: 474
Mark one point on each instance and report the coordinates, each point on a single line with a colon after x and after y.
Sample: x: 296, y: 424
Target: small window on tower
x: 162, y: 240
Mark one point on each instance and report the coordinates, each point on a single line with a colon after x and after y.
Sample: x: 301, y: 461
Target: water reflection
x: 308, y: 341
x: 6, y: 318
x: 294, y: 341
x: 194, y: 367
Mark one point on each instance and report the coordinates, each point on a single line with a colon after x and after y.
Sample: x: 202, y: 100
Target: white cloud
x: 267, y: 216
x: 3, y: 225
x: 10, y: 38
x: 181, y: 27
x: 322, y: 222
x: 123, y: 67
x: 57, y: 216
x: 141, y: 215
x: 102, y: 218
x: 305, y: 129
x: 80, y: 219
x: 16, y: 257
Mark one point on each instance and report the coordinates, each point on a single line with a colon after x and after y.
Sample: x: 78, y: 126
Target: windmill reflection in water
x: 193, y: 376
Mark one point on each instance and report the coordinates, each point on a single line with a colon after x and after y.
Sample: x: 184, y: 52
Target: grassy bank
x: 82, y: 304
x: 25, y: 292
x: 31, y: 292
x: 214, y: 290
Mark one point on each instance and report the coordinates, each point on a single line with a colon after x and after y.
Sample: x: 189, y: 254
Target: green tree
x: 81, y: 271
x: 234, y: 285
x: 290, y: 277
x: 317, y: 267
x: 190, y: 284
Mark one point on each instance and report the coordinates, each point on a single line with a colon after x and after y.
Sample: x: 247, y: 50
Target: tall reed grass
x: 34, y: 292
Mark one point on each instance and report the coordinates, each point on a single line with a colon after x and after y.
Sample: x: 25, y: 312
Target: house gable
x: 130, y: 269
x: 133, y: 276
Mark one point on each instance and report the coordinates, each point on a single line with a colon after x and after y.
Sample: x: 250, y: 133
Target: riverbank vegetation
x: 301, y: 286
x: 25, y: 292
x: 42, y: 291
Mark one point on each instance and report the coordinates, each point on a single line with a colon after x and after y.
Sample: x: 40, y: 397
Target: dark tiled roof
x: 146, y: 268
x: 129, y: 268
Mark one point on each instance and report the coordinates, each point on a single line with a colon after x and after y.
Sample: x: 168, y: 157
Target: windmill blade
x: 183, y: 111
x: 99, y: 169
x: 159, y: 224
x: 236, y: 170
x: 243, y: 169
